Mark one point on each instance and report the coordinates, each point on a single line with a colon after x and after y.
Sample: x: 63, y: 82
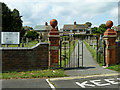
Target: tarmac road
x: 25, y: 83
x: 93, y: 82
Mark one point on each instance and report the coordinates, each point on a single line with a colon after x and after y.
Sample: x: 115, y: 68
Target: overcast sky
x: 37, y: 12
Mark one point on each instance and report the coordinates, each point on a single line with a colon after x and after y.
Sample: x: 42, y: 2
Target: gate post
x: 54, y: 45
x: 110, y: 37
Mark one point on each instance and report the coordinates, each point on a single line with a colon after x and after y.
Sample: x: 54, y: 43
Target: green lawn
x: 30, y: 44
x: 34, y: 74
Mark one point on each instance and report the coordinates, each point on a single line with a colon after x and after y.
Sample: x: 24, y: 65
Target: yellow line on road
x: 79, y: 77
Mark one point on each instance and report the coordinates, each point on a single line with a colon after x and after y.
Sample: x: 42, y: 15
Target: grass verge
x: 34, y: 74
x: 114, y: 67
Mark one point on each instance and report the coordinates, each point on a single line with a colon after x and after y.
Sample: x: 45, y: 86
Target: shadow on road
x: 72, y: 68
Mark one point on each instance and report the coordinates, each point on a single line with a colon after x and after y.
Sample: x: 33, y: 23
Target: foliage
x: 32, y: 34
x: 94, y: 30
x: 22, y: 32
x: 89, y: 24
x: 11, y: 20
x: 99, y: 30
x: 114, y: 67
x: 6, y: 18
x: 34, y: 74
x: 102, y: 28
x: 27, y: 28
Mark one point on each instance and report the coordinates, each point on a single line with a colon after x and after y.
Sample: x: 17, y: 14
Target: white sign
x: 10, y: 37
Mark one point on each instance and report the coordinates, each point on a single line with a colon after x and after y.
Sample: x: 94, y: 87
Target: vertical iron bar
x: 99, y: 57
x: 65, y: 52
x: 74, y: 50
x: 78, y: 54
x: 97, y: 48
x: 104, y: 53
x: 69, y: 53
x: 60, y: 52
x: 82, y: 52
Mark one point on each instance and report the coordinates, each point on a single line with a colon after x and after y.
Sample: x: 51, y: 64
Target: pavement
x: 25, y: 83
x: 90, y: 65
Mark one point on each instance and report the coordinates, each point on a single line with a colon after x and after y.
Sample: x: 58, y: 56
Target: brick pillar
x: 54, y: 45
x: 110, y: 37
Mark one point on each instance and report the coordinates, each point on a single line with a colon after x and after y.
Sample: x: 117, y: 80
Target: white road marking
x: 112, y: 81
x: 53, y: 88
x: 118, y: 79
x: 98, y: 83
x: 84, y: 84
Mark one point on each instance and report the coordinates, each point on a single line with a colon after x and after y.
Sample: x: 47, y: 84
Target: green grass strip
x: 114, y: 67
x: 34, y: 74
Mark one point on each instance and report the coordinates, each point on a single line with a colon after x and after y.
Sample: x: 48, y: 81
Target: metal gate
x: 101, y: 52
x: 71, y: 52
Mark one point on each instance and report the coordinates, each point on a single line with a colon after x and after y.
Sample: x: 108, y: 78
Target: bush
x: 32, y: 34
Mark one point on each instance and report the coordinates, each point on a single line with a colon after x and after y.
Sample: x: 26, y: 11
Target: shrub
x: 32, y: 34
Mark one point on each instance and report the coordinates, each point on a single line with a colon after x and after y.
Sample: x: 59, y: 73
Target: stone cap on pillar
x: 53, y: 23
x: 54, y: 31
x: 109, y: 32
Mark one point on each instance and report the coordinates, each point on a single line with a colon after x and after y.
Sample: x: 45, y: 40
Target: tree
x: 102, y: 28
x: 22, y: 32
x: 94, y: 30
x: 6, y: 18
x: 89, y: 24
x: 16, y: 23
x: 0, y: 17
x: 11, y: 20
x: 27, y: 28
x: 32, y: 34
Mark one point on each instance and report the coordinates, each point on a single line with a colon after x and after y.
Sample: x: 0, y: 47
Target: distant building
x: 76, y: 29
x: 43, y: 30
x: 61, y: 32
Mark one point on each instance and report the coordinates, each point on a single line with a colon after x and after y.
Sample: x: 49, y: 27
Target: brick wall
x: 118, y: 52
x: 23, y: 58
